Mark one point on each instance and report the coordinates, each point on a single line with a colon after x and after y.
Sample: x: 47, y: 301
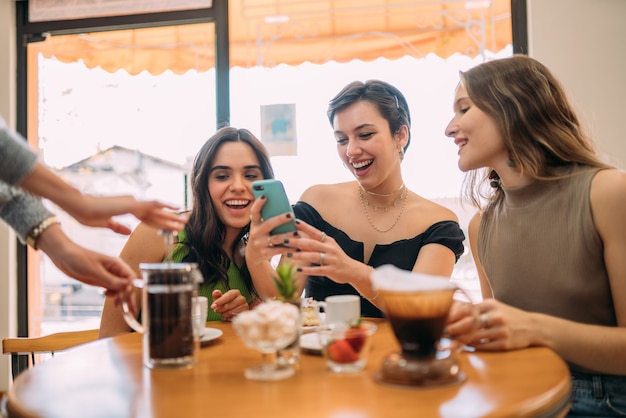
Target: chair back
x: 24, y: 349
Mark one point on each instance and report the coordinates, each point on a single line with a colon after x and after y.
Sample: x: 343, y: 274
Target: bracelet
x: 370, y: 299
x: 35, y: 233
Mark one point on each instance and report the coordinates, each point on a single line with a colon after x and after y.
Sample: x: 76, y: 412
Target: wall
x: 582, y: 41
x: 8, y: 321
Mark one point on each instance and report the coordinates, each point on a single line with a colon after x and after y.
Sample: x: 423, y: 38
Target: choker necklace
x: 384, y: 194
x: 395, y: 203
x: 384, y: 208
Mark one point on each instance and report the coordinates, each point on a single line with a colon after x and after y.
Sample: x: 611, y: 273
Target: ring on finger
x: 323, y: 237
x: 322, y: 257
x: 269, y: 242
x: 484, y: 319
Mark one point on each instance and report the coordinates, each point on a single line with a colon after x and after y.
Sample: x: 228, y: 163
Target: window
x: 110, y: 132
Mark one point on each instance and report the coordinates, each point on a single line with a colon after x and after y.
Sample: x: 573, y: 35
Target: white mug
x: 339, y: 308
x: 201, y: 304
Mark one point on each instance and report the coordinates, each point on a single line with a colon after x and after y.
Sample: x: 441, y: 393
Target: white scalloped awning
x: 270, y: 32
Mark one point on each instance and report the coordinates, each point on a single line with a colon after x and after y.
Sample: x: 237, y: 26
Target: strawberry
x: 340, y: 351
x: 356, y: 336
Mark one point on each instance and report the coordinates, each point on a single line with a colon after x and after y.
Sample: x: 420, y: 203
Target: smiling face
x: 476, y: 134
x: 368, y: 148
x: 234, y: 169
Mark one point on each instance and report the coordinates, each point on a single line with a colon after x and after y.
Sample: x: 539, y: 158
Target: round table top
x: 106, y: 378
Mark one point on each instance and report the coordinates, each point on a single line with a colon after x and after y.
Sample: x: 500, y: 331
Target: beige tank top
x: 542, y: 253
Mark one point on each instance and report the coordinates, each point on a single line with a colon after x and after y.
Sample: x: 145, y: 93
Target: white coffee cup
x: 201, y: 312
x: 339, y: 308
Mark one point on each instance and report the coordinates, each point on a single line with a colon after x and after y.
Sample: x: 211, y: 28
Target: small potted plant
x: 285, y: 281
x: 286, y: 284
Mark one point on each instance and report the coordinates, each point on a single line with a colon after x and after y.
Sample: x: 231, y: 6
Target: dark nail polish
x: 288, y: 215
x: 298, y: 250
x: 295, y: 233
x: 263, y: 197
x: 289, y: 255
x: 299, y: 269
x: 286, y: 241
x: 297, y: 221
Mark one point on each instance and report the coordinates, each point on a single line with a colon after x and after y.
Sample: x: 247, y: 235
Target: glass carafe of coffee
x: 167, y: 315
x: 417, y: 307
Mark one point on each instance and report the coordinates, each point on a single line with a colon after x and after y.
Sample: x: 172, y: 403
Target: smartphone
x: 277, y: 203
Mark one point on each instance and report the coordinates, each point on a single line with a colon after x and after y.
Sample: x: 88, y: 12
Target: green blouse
x: 235, y: 281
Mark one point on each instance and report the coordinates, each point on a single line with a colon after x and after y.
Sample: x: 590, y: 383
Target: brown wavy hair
x: 535, y: 118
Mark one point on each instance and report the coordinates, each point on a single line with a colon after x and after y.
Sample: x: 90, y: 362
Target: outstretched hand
x: 87, y: 266
x: 98, y: 212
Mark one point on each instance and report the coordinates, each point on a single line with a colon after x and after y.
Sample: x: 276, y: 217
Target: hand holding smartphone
x: 277, y: 203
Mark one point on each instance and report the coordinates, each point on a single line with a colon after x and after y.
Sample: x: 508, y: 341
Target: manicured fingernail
x: 299, y: 269
x: 286, y: 241
x: 288, y: 215
x: 295, y: 233
x: 263, y: 197
x: 289, y: 255
x: 297, y: 221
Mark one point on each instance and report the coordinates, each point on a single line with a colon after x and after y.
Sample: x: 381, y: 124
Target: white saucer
x: 311, y: 343
x: 210, y: 334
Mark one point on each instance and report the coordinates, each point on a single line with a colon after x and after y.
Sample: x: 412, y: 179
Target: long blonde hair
x: 535, y: 118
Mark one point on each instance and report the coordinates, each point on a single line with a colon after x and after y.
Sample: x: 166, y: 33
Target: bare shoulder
x: 608, y: 199
x: 321, y: 195
x: 474, y: 223
x: 434, y: 211
x: 609, y: 184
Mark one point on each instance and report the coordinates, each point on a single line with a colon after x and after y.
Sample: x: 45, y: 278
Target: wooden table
x: 106, y: 378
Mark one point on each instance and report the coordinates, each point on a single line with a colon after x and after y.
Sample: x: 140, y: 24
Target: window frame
x: 28, y: 32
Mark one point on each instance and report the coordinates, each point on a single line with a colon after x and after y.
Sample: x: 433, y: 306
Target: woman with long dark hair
x: 216, y: 232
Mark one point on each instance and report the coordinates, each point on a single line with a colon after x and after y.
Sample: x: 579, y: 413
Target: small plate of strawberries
x: 346, y: 347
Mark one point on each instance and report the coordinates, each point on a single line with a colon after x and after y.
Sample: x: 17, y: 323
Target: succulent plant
x: 285, y: 282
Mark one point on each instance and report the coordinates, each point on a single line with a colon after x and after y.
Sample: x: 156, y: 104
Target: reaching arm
x: 20, y: 167
x: 87, y: 266
x: 97, y: 211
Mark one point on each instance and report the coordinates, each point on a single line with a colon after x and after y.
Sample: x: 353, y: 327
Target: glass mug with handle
x: 170, y: 336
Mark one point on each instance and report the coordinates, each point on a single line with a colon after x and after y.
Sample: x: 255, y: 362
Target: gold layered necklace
x: 365, y: 203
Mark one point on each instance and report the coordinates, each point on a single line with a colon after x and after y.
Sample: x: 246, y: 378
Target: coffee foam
x: 391, y: 278
x: 412, y: 295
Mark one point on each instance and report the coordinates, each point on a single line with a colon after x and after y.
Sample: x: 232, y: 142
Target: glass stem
x: 269, y: 360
